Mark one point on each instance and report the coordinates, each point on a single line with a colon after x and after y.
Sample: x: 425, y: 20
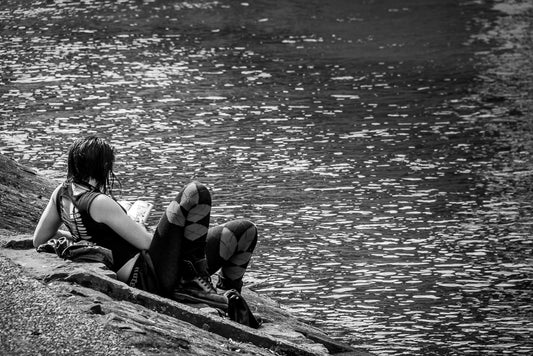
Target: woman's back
x: 74, y: 202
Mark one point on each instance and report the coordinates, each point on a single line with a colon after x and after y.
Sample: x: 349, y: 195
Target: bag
x: 80, y: 251
x: 239, y: 311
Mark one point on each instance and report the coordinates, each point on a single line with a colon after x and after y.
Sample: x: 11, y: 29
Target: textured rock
x: 23, y: 196
x: 154, y: 322
x: 36, y: 322
x: 281, y: 332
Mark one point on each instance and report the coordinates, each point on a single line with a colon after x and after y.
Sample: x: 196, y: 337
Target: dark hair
x: 92, y: 157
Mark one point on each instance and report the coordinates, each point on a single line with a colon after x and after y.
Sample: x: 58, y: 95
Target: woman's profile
x: 176, y: 260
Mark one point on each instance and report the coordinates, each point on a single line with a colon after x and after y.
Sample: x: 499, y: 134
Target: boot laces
x: 205, y: 283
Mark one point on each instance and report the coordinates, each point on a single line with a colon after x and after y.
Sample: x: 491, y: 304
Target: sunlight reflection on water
x: 355, y: 150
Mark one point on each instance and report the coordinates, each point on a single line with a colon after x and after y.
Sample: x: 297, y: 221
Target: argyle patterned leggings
x: 183, y: 233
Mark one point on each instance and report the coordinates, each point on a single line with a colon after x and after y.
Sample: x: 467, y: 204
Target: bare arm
x: 49, y: 222
x: 106, y: 210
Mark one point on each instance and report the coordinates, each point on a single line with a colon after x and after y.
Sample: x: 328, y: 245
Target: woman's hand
x: 106, y: 210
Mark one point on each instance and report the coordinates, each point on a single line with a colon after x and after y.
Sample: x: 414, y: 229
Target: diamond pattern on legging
x: 189, y: 197
x: 194, y: 231
x: 228, y: 243
x: 199, y: 212
x: 241, y: 258
x: 247, y: 238
x: 174, y: 214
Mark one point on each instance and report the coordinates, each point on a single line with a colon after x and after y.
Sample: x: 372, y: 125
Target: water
x: 346, y: 130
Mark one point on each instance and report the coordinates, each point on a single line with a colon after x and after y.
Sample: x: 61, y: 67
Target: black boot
x: 195, y: 286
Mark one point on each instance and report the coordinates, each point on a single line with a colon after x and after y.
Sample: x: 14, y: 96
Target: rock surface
x: 35, y: 321
x: 23, y: 196
x: 53, y: 306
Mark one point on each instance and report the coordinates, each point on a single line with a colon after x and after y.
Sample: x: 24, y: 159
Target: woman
x: 177, y: 260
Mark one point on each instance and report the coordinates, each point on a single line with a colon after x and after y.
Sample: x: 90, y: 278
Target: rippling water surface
x: 345, y: 129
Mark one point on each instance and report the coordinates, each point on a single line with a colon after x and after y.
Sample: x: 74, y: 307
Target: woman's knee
x: 194, y: 193
x: 246, y: 233
x: 231, y: 237
x: 251, y: 228
x: 193, y: 199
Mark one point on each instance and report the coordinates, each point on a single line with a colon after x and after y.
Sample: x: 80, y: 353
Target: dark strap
x: 84, y: 201
x: 81, y: 202
x: 59, y: 196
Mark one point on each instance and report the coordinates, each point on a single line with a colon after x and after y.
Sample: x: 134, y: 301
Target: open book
x: 138, y: 210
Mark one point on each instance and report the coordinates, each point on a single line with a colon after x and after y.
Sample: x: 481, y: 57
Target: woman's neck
x: 92, y: 182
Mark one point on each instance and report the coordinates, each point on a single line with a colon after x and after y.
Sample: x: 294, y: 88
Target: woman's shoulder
x: 59, y: 186
x: 101, y: 200
x: 104, y: 207
x: 56, y: 190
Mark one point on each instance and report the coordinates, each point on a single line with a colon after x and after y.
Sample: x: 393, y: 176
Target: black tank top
x: 83, y: 227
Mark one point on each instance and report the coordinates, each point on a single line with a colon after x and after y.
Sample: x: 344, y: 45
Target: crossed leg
x: 229, y: 248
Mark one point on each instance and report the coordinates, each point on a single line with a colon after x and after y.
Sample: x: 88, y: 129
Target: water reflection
x: 344, y: 129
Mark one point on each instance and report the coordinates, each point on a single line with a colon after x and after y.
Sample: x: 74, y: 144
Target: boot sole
x: 188, y: 298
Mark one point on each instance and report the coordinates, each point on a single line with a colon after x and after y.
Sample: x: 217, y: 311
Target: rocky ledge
x: 54, y: 306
